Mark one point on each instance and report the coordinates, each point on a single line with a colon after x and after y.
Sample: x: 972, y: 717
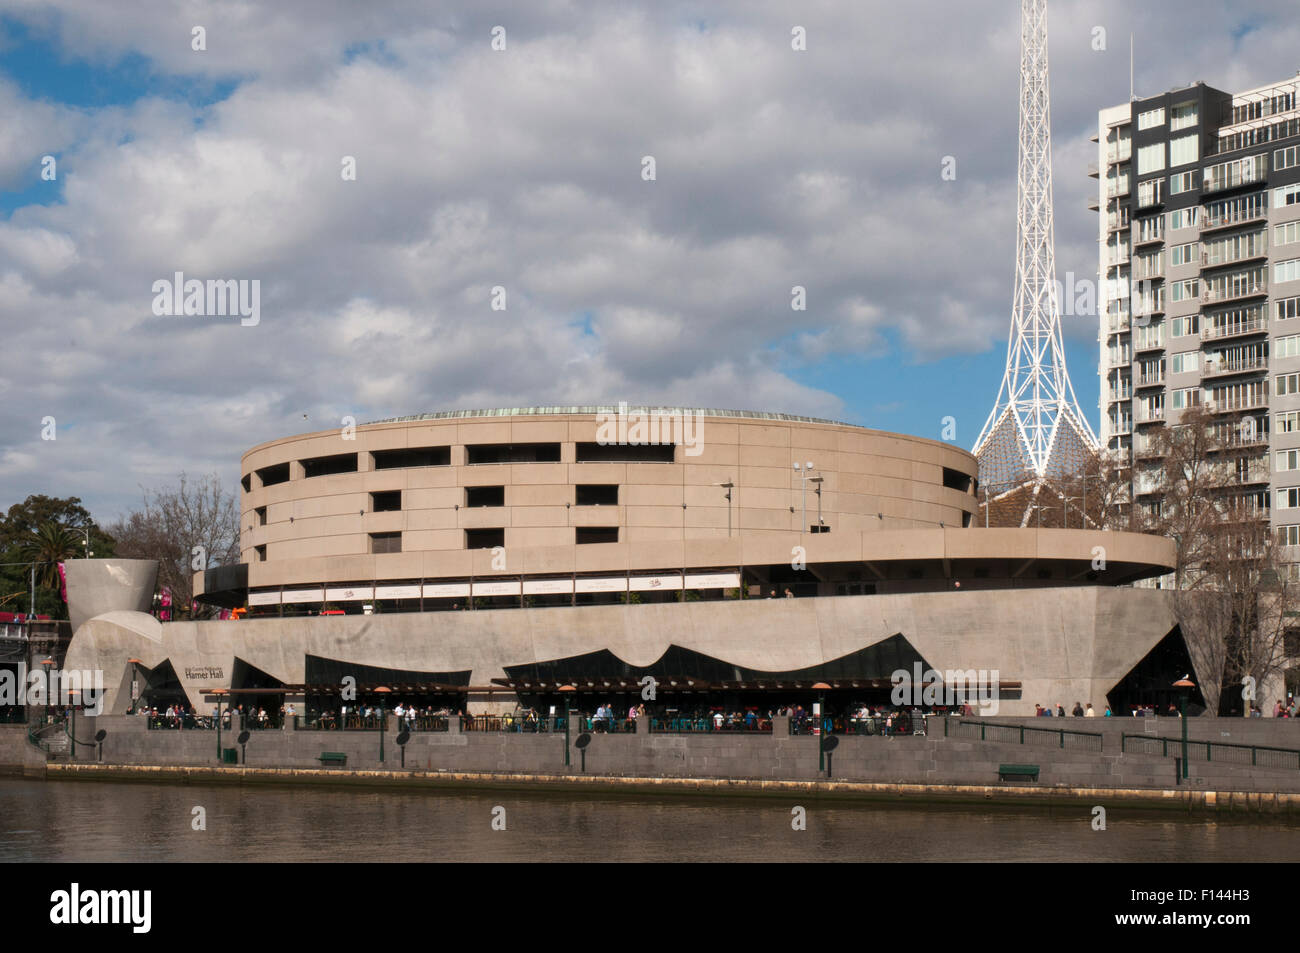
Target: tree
x: 1205, y: 485
x: 190, y: 526
x: 51, y: 520
x: 47, y: 546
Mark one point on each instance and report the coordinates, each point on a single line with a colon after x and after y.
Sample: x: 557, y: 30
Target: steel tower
x: 1036, y: 429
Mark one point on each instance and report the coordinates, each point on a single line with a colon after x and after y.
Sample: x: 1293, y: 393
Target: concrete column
x: 780, y: 726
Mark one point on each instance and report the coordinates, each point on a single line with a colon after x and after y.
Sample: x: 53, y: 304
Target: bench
x: 1015, y: 771
x: 333, y: 757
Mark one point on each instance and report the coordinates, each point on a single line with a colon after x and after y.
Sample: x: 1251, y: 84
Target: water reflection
x: 81, y: 821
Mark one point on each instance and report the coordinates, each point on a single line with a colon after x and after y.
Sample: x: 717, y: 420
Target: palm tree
x: 47, y: 546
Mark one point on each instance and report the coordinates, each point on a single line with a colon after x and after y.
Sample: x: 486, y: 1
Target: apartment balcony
x: 1139, y: 239
x: 1115, y: 223
x: 1210, y: 223
x: 1145, y: 488
x: 1148, y: 451
x: 1148, y: 344
x: 1121, y: 428
x: 1250, y: 365
x: 1094, y: 204
x: 1255, y: 473
x: 1232, y: 405
x: 1116, y: 187
x: 1236, y: 177
x: 1235, y: 330
x: 1116, y: 153
x: 1149, y: 415
x: 1117, y: 323
x: 1120, y: 360
x: 1237, y: 292
x: 1250, y: 255
x: 1150, y: 380
x: 1093, y: 171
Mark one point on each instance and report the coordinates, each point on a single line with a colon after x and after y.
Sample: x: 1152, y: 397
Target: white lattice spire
x: 1036, y: 428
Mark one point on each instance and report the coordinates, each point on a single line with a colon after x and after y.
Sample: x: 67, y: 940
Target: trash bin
x: 230, y: 756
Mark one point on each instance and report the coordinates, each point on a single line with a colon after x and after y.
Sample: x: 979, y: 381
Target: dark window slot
x: 412, y: 457
x: 484, y: 538
x: 276, y: 473
x: 485, y: 496
x: 513, y: 453
x: 386, y: 501
x: 596, y: 534
x: 617, y: 453
x: 385, y: 542
x: 596, y: 494
x: 328, y: 466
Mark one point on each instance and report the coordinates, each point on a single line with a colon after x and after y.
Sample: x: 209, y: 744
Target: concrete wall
x: 779, y: 755
x: 96, y: 586
x: 1061, y: 644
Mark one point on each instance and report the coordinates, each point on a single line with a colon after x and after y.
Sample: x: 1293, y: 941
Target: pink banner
x: 63, y: 584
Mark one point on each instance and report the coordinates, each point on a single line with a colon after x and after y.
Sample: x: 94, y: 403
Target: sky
x: 516, y: 176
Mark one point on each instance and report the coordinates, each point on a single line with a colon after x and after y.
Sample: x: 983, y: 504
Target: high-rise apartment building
x: 1199, y: 238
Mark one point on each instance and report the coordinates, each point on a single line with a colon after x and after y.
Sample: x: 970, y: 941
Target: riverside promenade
x: 1234, y: 764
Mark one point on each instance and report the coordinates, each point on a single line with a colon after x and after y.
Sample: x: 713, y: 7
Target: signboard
x: 601, y: 584
x: 547, y: 586
x: 717, y: 580
x: 447, y: 590
x: 656, y: 583
x: 500, y: 588
x: 304, y: 595
x: 397, y: 592
x: 351, y: 594
x: 264, y: 598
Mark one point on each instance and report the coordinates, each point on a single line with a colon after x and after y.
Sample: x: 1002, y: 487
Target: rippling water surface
x: 105, y: 821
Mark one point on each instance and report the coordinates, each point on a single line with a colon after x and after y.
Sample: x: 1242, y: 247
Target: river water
x: 113, y: 821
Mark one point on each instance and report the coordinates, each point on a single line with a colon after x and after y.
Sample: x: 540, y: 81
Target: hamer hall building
x: 483, y: 559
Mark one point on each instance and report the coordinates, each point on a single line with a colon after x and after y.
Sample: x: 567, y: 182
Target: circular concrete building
x: 495, y: 555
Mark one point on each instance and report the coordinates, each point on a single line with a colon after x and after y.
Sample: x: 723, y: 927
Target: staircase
x: 52, y: 739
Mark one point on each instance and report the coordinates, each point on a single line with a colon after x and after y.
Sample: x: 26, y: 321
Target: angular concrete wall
x: 96, y: 586
x: 1063, y: 645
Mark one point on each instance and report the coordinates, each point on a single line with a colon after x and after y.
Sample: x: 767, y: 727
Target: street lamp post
x: 382, y: 691
x: 567, y: 691
x: 728, y: 487
x: 803, y: 472
x: 1184, y: 686
x: 821, y: 688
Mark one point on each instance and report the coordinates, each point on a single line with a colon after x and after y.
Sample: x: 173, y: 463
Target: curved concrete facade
x: 318, y: 528
x: 1061, y: 645
x: 96, y: 586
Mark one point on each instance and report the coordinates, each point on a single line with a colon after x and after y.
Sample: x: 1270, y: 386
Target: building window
x: 1288, y: 422
x: 1183, y: 218
x: 385, y: 543
x: 485, y: 496
x: 1181, y: 363
x: 1287, y: 460
x: 411, y: 457
x: 1288, y: 308
x: 1182, y: 151
x: 1151, y: 192
x: 328, y: 466
x: 1183, y: 254
x: 1286, y: 270
x: 1288, y: 536
x: 1151, y: 158
x: 246, y: 481
x: 1181, y: 182
x: 1286, y: 158
x: 595, y: 534
x: 484, y: 538
x: 596, y: 494
x: 1286, y: 384
x: 1288, y: 498
x: 1288, y: 346
x: 386, y: 501
x: 1286, y: 234
x: 1151, y: 118
x: 260, y: 513
x: 276, y: 473
x: 260, y: 552
x: 1182, y: 116
x: 1286, y: 195
x: 512, y: 453
x: 626, y: 453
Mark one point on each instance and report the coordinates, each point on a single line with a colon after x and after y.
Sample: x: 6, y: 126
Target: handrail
x: 1208, y: 747
x: 1058, y: 734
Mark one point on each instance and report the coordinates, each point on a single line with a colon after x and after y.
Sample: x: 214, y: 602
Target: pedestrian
x: 788, y: 593
x: 1078, y: 710
x: 1089, y: 713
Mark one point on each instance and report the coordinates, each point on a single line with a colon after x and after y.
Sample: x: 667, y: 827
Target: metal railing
x: 1218, y: 752
x: 523, y: 723
x: 330, y: 721
x: 693, y: 724
x: 1023, y: 734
